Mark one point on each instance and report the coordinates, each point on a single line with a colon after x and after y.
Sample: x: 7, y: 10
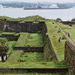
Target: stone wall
x: 35, y: 70
x: 14, y: 26
x: 1, y: 25
x: 10, y: 37
x: 44, y: 31
x: 70, y: 57
x: 30, y: 49
x: 68, y: 22
x: 48, y: 49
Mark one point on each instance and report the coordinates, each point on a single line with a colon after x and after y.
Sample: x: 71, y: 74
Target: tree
x: 3, y: 47
x: 73, y: 19
x: 58, y: 20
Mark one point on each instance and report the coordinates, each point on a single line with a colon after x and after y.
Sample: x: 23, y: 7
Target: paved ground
x: 66, y: 35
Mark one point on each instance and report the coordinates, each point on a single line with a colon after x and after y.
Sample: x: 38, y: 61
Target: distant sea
x: 64, y: 14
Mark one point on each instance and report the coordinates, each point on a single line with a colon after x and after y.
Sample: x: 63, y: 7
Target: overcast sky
x: 58, y: 1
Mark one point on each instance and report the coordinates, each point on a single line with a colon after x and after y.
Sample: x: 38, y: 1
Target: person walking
x: 68, y: 35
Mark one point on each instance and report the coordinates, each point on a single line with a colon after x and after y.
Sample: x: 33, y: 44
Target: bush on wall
x: 73, y: 19
x: 58, y: 20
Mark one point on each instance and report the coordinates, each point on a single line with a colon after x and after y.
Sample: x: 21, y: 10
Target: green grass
x: 34, y: 40
x: 42, y: 20
x: 54, y: 36
x: 14, y: 64
x: 21, y: 40
x: 14, y: 56
x: 22, y: 22
x: 0, y: 34
x: 32, y: 57
x: 35, y: 74
x: 30, y: 18
x: 3, y: 17
x: 73, y: 26
x: 36, y: 60
x: 17, y: 19
x: 33, y: 17
x: 11, y: 46
x: 9, y: 33
x: 17, y: 34
x: 36, y: 22
x: 69, y: 30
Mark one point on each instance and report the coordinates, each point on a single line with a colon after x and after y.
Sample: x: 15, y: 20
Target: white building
x: 1, y: 6
x: 53, y: 6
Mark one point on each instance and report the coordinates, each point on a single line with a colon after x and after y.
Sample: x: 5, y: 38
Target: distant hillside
x: 28, y: 4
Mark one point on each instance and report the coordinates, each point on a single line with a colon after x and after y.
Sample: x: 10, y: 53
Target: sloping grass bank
x: 69, y: 30
x: 54, y: 36
x: 73, y: 26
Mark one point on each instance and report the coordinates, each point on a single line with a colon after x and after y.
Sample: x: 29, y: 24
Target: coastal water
x: 64, y: 14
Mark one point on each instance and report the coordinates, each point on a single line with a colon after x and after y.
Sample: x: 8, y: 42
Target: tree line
x: 27, y: 4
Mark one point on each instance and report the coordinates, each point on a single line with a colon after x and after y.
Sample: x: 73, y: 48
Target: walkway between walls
x: 71, y: 27
x: 66, y: 35
x: 15, y: 55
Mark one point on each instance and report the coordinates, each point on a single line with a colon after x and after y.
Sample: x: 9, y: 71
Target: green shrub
x: 0, y: 31
x: 44, y: 63
x: 42, y: 45
x: 51, y: 57
x: 58, y: 20
x: 22, y: 60
x: 61, y: 63
x: 27, y: 45
x: 3, y: 40
x: 45, y: 42
x: 39, y: 32
x: 73, y: 19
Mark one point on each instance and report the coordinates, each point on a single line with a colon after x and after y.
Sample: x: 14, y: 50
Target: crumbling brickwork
x: 70, y: 57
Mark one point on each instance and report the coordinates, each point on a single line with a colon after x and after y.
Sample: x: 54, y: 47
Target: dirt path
x: 23, y: 20
x: 66, y: 35
x: 71, y: 27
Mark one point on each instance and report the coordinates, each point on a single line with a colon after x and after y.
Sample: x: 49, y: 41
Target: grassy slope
x: 34, y: 40
x: 73, y: 26
x: 14, y: 56
x: 21, y: 40
x: 11, y: 45
x: 54, y: 36
x: 68, y: 30
x: 34, y: 74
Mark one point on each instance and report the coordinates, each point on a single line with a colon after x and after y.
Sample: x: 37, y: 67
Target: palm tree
x: 3, y: 47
